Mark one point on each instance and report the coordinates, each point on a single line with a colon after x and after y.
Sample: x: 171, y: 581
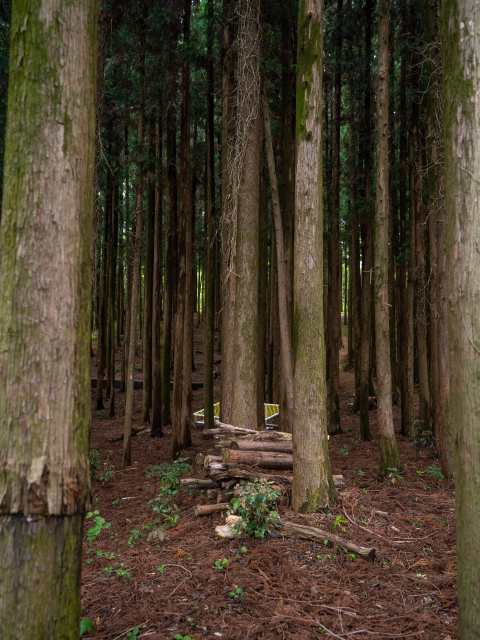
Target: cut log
x: 225, y: 431
x: 291, y: 529
x: 197, y: 483
x: 263, y: 459
x: 209, y: 459
x: 208, y: 509
x: 222, y: 496
x: 219, y: 472
x: 212, y: 494
x: 284, y: 446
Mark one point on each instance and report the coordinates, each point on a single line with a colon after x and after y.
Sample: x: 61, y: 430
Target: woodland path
x: 292, y: 589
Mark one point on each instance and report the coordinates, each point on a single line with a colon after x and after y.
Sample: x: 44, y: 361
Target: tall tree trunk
x: 112, y: 283
x: 367, y: 240
x: 335, y: 289
x: 282, y: 267
x: 410, y: 299
x: 157, y: 285
x: 45, y: 303
x: 388, y: 445
x: 181, y: 436
x: 262, y: 290
x: 210, y: 231
x: 136, y: 257
x: 312, y: 477
x: 126, y: 337
x: 228, y: 235
x: 102, y: 320
x: 244, y: 406
x: 461, y: 77
x: 148, y: 305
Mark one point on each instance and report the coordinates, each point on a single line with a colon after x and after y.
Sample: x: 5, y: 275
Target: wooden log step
x: 262, y: 459
x: 284, y: 446
x: 209, y: 509
x: 291, y: 529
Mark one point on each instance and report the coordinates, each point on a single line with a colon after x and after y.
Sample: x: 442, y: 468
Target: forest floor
x: 292, y: 589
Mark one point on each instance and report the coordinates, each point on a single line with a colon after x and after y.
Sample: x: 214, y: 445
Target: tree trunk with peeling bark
x: 312, y: 478
x: 461, y: 117
x: 45, y: 256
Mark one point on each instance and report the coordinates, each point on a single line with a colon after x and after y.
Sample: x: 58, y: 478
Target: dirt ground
x: 292, y: 589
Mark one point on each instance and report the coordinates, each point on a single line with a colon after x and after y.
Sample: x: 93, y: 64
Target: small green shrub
x: 108, y: 472
x: 93, y: 457
x: 85, y: 625
x: 256, y: 508
x: 99, y: 525
x: 238, y: 593
x: 221, y: 564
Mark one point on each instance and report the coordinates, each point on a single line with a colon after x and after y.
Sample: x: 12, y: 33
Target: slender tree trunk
x: 112, y: 283
x: 461, y: 78
x: 312, y: 478
x: 137, y: 246
x: 126, y: 337
x: 157, y: 286
x: 102, y: 333
x: 336, y: 265
x: 388, y: 445
x: 282, y: 266
x: 45, y: 303
x: 262, y: 291
x: 244, y: 406
x: 367, y: 264
x: 181, y: 436
x: 210, y: 231
x: 148, y: 306
x: 410, y: 298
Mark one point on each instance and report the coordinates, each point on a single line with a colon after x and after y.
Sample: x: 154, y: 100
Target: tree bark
x: 263, y: 459
x: 209, y: 509
x: 388, y: 445
x: 336, y: 265
x: 183, y: 361
x: 313, y: 483
x: 261, y: 445
x: 461, y: 80
x: 244, y: 407
x: 126, y: 337
x: 285, y: 339
x: 136, y: 251
x: 157, y: 286
x: 148, y: 303
x: 209, y: 329
x: 367, y: 241
x: 45, y: 304
x: 112, y: 283
x: 102, y: 319
x: 228, y: 245
x: 262, y: 290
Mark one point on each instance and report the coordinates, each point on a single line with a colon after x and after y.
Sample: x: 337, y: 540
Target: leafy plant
x: 161, y: 569
x: 256, y: 508
x: 221, y: 564
x: 238, y: 593
x: 134, y: 538
x: 361, y: 473
x: 85, y: 625
x: 436, y: 471
x: 170, y: 475
x: 344, y: 450
x: 338, y: 523
x: 93, y: 457
x: 394, y: 475
x: 178, y: 636
x: 99, y: 525
x: 116, y: 502
x: 108, y: 472
x: 134, y: 633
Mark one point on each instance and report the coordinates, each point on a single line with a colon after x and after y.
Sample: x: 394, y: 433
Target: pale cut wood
x: 291, y: 529
x: 209, y: 459
x: 209, y: 509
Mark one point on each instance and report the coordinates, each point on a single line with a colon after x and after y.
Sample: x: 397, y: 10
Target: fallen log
x: 208, y: 460
x: 134, y: 432
x: 197, y: 483
x: 291, y: 529
x: 228, y: 431
x: 263, y: 459
x: 219, y: 472
x: 284, y: 446
x: 208, y: 509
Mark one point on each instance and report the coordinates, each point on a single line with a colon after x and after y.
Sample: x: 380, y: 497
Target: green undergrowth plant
x: 256, y: 506
x: 170, y: 475
x: 99, y: 525
x: 108, y: 472
x: 93, y: 457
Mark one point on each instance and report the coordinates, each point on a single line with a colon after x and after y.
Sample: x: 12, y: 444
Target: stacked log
x: 262, y: 459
